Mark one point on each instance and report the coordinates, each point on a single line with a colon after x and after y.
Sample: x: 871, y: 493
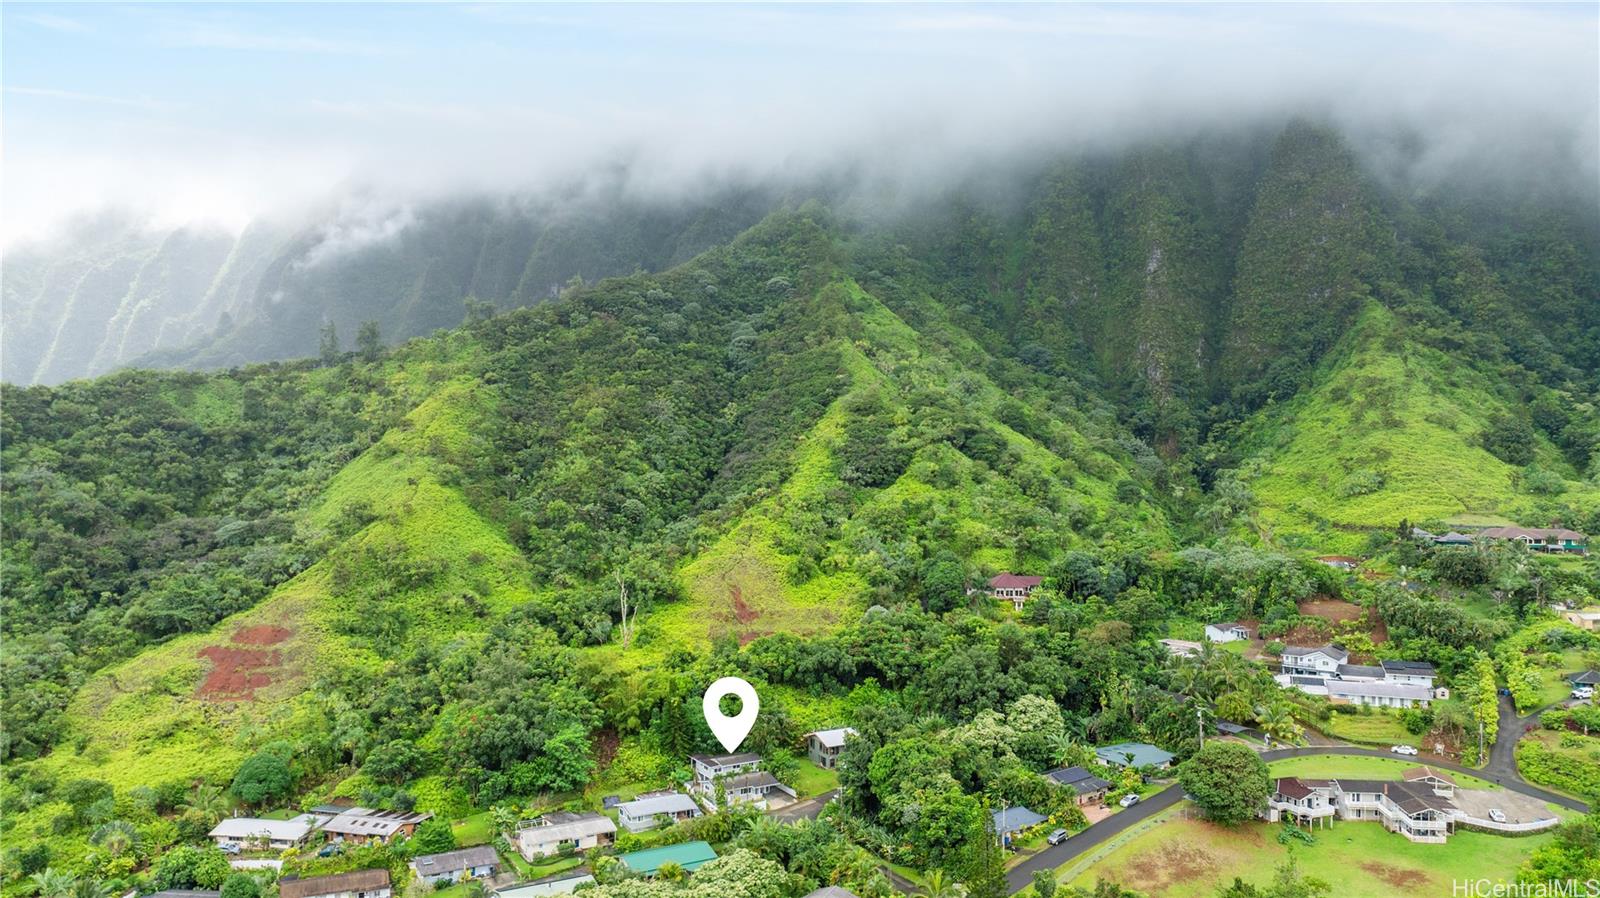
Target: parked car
x: 1497, y: 815
x: 1583, y: 692
x: 331, y: 849
x: 1057, y: 837
x: 1403, y: 749
x: 1129, y: 800
x: 230, y: 847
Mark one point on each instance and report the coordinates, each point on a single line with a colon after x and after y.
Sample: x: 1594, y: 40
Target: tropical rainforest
x: 489, y: 505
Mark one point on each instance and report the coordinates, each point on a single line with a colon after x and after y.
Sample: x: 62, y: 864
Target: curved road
x: 1018, y: 877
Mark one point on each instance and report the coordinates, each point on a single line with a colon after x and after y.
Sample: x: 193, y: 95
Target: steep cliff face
x: 116, y: 293
x: 1315, y: 249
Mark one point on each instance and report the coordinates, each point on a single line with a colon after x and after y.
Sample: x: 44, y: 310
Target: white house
x: 1304, y: 661
x: 1417, y: 673
x: 257, y: 833
x: 1227, y: 632
x: 561, y: 830
x: 708, y: 767
x: 1382, y: 694
x: 824, y: 746
x: 753, y: 787
x: 478, y: 862
x: 649, y: 810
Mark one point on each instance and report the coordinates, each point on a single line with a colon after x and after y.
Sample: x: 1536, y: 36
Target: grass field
x: 1377, y: 729
x: 813, y: 780
x: 1182, y: 858
x: 1357, y: 767
x: 475, y: 830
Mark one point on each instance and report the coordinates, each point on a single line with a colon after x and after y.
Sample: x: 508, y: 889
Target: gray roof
x: 1332, y: 651
x: 460, y: 859
x: 1078, y: 778
x: 1143, y: 754
x: 563, y: 826
x: 833, y: 738
x: 561, y: 886
x: 672, y: 803
x: 1414, y: 668
x: 1300, y: 680
x: 1380, y: 689
x: 832, y: 892
x: 733, y: 760
x: 751, y: 780
x: 243, y: 828
x: 186, y: 893
x: 1014, y: 819
x: 1587, y: 678
x: 1361, y: 670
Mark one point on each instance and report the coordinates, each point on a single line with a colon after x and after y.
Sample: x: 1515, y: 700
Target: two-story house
x: 824, y: 746
x: 1322, y: 660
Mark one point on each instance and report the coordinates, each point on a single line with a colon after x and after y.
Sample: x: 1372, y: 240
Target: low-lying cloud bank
x: 255, y: 111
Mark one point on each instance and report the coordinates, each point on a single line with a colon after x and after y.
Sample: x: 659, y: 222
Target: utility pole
x: 1200, y: 718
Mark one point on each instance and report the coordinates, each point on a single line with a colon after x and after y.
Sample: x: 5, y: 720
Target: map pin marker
x: 730, y: 731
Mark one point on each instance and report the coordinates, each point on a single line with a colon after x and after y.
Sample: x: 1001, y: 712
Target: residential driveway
x: 803, y: 810
x: 1517, y: 807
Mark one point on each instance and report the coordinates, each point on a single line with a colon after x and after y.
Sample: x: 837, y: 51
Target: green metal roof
x: 688, y: 855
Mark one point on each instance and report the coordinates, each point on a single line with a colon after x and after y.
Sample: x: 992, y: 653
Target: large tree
x: 1228, y: 780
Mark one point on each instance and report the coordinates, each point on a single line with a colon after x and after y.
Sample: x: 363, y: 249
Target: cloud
x: 72, y: 96
x: 417, y: 102
x: 357, y: 226
x: 55, y: 22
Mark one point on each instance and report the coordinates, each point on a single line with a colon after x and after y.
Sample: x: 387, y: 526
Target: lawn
x: 1357, y: 767
x: 477, y: 829
x: 1378, y: 728
x: 1180, y: 858
x: 813, y: 780
x: 1553, y: 684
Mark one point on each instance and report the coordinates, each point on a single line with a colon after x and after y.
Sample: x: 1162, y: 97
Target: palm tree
x: 53, y: 884
x: 208, y: 801
x: 856, y: 866
x: 1278, y: 722
x: 116, y: 837
x: 941, y: 886
x: 90, y: 888
x: 671, y: 871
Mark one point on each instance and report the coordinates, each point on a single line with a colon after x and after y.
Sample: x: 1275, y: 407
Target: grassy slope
x: 141, y: 721
x: 1410, y: 413
x: 886, y: 356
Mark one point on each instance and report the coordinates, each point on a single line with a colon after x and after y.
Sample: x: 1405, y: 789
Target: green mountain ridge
x: 812, y: 426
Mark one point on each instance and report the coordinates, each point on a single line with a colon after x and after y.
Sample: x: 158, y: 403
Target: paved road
x: 1018, y: 877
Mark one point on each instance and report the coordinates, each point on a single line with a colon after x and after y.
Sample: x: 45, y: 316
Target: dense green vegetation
x: 487, y: 573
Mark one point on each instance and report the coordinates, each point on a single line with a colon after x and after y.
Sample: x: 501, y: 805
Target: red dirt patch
x: 740, y: 616
x: 1332, y: 609
x: 236, y: 673
x: 1407, y: 881
x: 265, y: 634
x: 742, y: 613
x: 1176, y: 864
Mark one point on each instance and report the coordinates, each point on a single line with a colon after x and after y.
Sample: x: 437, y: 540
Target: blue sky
x: 226, y: 111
